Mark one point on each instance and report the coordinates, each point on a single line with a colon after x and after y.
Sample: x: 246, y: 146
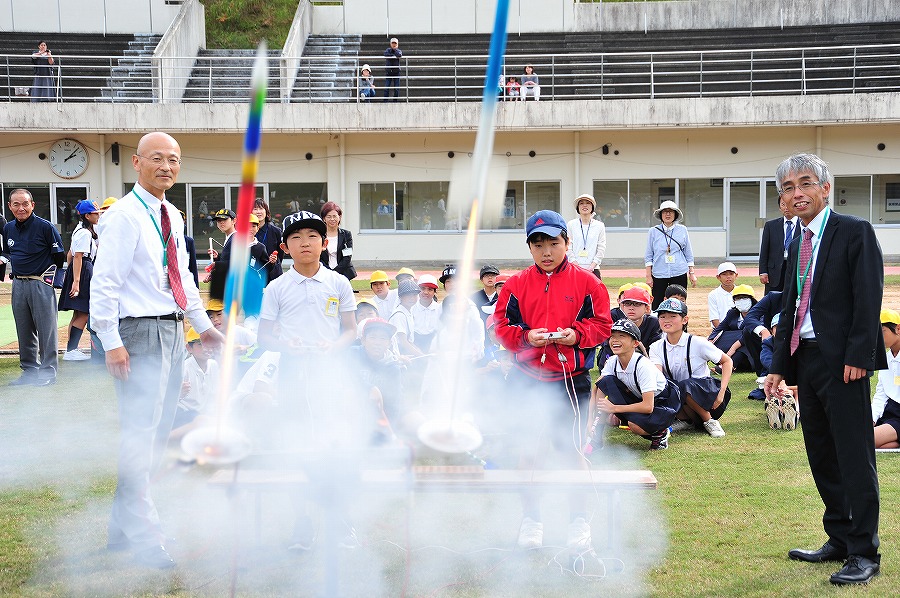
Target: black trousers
x: 840, y: 446
x: 660, y: 284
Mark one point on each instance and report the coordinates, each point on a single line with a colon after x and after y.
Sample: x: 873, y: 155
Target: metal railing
x: 633, y: 75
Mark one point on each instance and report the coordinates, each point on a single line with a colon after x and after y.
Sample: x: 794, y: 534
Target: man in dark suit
x: 828, y: 343
x: 773, y: 250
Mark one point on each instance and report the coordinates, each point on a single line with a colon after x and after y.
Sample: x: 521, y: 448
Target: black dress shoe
x: 155, y: 557
x: 826, y: 553
x: 857, y: 570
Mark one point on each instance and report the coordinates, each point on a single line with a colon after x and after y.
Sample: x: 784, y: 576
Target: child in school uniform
x: 308, y: 315
x: 633, y: 389
x: 384, y: 298
x: 616, y: 313
x: 426, y: 312
x: 635, y: 304
x: 198, y: 387
x: 886, y: 402
x: 402, y: 319
x: 683, y: 358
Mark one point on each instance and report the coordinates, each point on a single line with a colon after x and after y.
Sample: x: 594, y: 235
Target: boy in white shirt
x: 719, y: 300
x: 402, y: 319
x: 426, y: 312
x: 308, y: 316
x: 886, y: 402
x: 198, y: 388
x: 384, y: 298
x: 632, y: 388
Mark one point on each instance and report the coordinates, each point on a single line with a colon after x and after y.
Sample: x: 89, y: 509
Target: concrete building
x: 400, y: 170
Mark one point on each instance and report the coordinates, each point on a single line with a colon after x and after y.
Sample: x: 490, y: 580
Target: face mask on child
x: 743, y: 305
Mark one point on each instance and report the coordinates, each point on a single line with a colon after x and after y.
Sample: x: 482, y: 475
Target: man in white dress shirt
x: 141, y: 292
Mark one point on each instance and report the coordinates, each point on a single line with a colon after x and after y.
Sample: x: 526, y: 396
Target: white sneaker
x: 761, y: 382
x: 579, y: 535
x: 713, y: 428
x: 531, y: 533
x: 773, y: 413
x: 790, y: 415
x: 75, y: 355
x: 681, y: 426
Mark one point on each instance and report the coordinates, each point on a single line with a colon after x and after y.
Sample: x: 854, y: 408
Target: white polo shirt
x: 701, y: 351
x: 308, y: 310
x: 649, y: 378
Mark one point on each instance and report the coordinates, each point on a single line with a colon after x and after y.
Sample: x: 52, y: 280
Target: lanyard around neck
x: 584, y: 233
x: 802, y: 281
x: 164, y: 241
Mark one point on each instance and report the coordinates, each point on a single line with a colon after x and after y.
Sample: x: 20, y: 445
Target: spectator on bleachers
x: 43, y: 88
x: 366, y: 84
x: 512, y: 89
x: 530, y: 84
x: 392, y: 58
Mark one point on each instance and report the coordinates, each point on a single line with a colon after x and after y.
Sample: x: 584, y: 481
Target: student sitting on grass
x: 683, y: 359
x: 198, y: 387
x: 886, y: 403
x: 631, y: 388
x: 728, y: 334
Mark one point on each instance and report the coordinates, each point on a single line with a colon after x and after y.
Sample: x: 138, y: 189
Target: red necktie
x: 172, y: 257
x: 805, y: 256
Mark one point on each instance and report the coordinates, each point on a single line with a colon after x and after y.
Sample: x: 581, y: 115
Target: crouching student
x: 633, y: 389
x: 198, y: 388
x: 683, y: 358
x: 551, y: 315
x: 886, y: 403
x: 379, y: 374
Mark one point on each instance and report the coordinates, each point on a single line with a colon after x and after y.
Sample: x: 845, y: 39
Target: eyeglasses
x: 804, y: 187
x: 158, y: 160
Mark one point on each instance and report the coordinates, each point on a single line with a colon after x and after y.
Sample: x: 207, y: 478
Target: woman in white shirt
x: 76, y: 291
x: 587, y: 235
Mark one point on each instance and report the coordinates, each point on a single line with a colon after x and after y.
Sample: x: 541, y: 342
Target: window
x: 422, y: 206
x: 886, y: 197
x: 702, y: 202
x: 852, y: 195
x: 631, y: 203
x: 287, y: 198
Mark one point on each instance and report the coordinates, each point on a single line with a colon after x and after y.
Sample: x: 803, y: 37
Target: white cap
x: 726, y: 266
x: 365, y: 67
x: 394, y: 40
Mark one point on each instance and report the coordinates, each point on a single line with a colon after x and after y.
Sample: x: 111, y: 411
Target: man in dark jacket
x: 392, y: 58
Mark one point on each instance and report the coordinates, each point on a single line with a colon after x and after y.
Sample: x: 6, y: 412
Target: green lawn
x: 725, y: 515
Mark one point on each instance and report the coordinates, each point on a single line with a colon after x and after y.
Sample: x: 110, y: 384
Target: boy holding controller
x: 552, y: 316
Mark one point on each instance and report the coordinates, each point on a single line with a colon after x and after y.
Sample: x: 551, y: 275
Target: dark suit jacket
x: 344, y: 265
x: 771, y: 249
x: 845, y: 300
x: 192, y: 258
x: 762, y: 313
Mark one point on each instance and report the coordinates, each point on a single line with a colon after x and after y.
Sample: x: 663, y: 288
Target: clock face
x: 68, y: 158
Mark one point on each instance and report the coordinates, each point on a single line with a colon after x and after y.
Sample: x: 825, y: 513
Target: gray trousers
x: 34, y: 310
x: 147, y: 405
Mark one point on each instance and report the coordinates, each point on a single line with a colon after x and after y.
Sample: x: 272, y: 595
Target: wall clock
x: 68, y: 158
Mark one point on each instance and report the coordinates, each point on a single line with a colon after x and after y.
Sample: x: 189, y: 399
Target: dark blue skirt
x: 81, y: 302
x: 704, y: 392
x: 665, y: 405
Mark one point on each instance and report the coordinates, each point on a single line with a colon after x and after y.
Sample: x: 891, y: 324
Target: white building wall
x: 344, y: 161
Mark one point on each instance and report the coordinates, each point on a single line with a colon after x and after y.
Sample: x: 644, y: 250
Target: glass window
x: 39, y: 192
x: 612, y: 202
x: 852, y: 195
x: 702, y: 202
x: 886, y: 198
x: 646, y: 195
x: 376, y: 206
x: 287, y: 198
x: 421, y: 205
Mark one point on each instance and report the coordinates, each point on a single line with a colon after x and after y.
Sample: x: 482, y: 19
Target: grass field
x: 725, y: 515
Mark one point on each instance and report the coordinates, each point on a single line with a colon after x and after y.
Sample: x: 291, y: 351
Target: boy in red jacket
x: 552, y: 316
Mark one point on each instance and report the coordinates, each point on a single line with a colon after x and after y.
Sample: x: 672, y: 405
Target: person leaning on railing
x: 43, y: 89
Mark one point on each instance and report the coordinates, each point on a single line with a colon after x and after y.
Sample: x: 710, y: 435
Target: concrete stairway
x: 327, y: 71
x: 131, y: 80
x: 224, y: 76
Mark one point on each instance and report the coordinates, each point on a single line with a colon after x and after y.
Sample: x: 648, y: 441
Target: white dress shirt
x: 816, y: 226
x: 128, y: 273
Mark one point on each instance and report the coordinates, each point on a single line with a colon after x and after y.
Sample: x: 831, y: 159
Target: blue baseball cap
x: 545, y: 221
x: 85, y: 207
